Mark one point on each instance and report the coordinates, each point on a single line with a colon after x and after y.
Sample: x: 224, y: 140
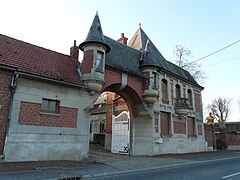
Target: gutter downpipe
x: 80, y: 74
x: 13, y: 86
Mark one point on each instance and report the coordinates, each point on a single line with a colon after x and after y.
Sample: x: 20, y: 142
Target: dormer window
x: 99, y: 61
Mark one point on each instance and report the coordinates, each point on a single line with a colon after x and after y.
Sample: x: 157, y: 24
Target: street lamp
x: 210, y: 121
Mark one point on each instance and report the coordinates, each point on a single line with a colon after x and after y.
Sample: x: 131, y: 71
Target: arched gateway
x: 162, y: 120
x: 46, y: 97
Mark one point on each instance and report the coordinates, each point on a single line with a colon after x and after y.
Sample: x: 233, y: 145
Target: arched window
x: 164, y: 89
x: 190, y: 100
x: 178, y: 91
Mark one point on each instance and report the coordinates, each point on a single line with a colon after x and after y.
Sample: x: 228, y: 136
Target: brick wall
x: 208, y: 134
x: 111, y: 77
x: 137, y: 86
x: 179, y: 127
x: 30, y: 115
x: 232, y: 133
x: 5, y: 97
x: 87, y: 63
x: 110, y: 97
x: 233, y: 139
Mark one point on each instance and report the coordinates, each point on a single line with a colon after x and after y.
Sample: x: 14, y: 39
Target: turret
x: 150, y: 88
x: 94, y: 50
x: 148, y: 65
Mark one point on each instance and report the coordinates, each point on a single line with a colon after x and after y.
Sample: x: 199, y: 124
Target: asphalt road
x: 214, y: 168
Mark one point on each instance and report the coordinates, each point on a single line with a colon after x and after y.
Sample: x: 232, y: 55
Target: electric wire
x: 237, y: 58
x: 215, y: 52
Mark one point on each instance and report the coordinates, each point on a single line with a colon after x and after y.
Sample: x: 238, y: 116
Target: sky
x: 201, y: 26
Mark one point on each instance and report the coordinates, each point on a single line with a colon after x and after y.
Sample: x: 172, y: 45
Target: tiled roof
x: 36, y: 60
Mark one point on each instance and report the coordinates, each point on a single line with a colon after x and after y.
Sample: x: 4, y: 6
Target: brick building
x: 46, y: 97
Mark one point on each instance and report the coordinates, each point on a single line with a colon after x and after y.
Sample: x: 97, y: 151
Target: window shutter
x: 191, y: 126
x: 165, y: 123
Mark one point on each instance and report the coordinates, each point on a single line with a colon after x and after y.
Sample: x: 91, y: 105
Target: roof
x: 35, y: 60
x: 152, y: 57
x: 38, y: 61
x: 123, y: 57
x: 95, y: 35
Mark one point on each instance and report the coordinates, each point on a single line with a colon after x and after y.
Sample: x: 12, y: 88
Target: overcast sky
x: 201, y: 26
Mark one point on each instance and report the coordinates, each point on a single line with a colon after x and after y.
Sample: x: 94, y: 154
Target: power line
x: 210, y: 55
x: 222, y: 62
x: 215, y: 52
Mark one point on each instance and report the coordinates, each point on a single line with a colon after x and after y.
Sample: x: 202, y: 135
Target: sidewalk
x: 100, y: 163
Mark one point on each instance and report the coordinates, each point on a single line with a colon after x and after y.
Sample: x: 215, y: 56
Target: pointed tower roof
x: 150, y: 54
x: 95, y: 35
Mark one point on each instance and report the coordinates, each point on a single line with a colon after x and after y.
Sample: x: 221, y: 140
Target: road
x: 214, y: 168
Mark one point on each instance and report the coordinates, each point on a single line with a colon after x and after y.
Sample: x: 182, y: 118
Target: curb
x: 87, y: 176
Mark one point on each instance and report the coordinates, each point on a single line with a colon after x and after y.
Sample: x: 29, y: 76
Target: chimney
x: 123, y: 39
x: 74, y: 51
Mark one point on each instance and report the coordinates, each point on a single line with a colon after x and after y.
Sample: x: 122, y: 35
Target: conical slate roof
x: 140, y: 52
x: 150, y: 56
x: 95, y: 35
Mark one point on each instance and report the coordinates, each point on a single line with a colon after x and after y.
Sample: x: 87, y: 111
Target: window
x: 191, y: 125
x: 154, y: 80
x: 165, y: 119
x: 50, y: 106
x: 156, y: 117
x: 178, y: 91
x: 91, y: 128
x: 99, y: 61
x: 102, y: 127
x: 164, y: 89
x: 190, y: 100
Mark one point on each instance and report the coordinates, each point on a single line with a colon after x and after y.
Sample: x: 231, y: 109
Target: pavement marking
x: 230, y: 175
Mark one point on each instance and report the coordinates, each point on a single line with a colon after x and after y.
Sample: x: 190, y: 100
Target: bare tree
x: 220, y: 109
x: 182, y: 59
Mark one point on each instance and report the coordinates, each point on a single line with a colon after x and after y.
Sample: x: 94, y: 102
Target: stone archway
x: 135, y: 105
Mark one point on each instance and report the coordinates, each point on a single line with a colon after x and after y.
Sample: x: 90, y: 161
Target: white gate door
x: 121, y: 133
